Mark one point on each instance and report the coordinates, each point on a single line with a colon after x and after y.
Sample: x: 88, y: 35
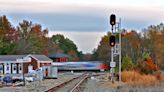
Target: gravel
x: 100, y: 84
x: 41, y: 86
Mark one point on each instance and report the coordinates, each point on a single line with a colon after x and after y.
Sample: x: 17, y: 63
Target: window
x: 1, y: 67
x: 14, y: 66
x: 20, y: 67
x: 7, y: 66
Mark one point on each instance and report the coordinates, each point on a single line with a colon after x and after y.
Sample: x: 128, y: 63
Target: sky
x: 84, y: 21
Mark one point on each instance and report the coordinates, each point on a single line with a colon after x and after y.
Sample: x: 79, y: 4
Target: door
x: 46, y: 72
x: 7, y: 68
x: 20, y: 68
x: 30, y: 68
x: 14, y: 68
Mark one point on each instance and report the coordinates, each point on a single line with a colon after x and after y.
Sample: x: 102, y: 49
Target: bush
x: 127, y: 63
x: 142, y: 67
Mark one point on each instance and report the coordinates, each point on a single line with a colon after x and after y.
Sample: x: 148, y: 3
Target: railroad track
x: 73, y: 85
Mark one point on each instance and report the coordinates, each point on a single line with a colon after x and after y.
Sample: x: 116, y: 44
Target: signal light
x: 112, y: 41
x: 112, y: 19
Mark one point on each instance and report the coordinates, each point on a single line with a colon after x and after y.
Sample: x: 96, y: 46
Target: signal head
x: 112, y: 41
x: 112, y: 19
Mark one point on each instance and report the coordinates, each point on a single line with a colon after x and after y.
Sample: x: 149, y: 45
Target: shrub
x: 127, y: 63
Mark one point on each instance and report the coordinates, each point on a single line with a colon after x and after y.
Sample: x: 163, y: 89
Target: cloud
x: 63, y: 21
x: 81, y: 15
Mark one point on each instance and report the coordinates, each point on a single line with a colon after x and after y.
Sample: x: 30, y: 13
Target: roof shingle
x: 15, y: 57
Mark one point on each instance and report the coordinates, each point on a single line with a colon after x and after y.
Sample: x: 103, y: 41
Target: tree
x: 131, y: 44
x: 103, y: 51
x: 52, y: 47
x: 29, y: 38
x: 66, y: 45
x: 94, y: 55
x: 154, y: 37
x: 8, y: 37
x: 32, y: 39
x: 73, y: 55
x: 81, y: 55
x: 87, y: 57
x: 23, y: 29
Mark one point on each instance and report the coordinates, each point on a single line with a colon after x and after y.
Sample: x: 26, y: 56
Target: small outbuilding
x: 59, y: 57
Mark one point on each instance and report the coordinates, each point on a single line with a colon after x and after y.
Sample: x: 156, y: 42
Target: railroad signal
x: 112, y: 41
x: 112, y: 19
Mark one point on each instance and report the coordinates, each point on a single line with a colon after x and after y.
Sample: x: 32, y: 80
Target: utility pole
x: 24, y: 82
x: 119, y: 28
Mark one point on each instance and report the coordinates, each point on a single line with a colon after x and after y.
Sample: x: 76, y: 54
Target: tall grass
x: 134, y: 78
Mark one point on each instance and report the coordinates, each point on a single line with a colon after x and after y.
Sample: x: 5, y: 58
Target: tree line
x: 29, y: 38
x: 135, y: 47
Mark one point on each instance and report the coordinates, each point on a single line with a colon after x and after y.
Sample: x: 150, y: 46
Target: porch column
x: 38, y: 64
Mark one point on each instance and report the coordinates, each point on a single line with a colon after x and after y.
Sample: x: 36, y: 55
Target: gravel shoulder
x: 102, y: 84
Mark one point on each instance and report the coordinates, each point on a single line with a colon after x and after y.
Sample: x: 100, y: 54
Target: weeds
x: 134, y: 78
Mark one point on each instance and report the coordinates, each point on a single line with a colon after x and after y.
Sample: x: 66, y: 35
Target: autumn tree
x: 131, y: 45
x: 103, y: 50
x: 32, y: 39
x: 29, y: 38
x: 73, y: 56
x: 154, y: 43
x: 8, y: 37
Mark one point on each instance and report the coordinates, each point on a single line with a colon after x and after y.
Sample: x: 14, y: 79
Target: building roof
x: 11, y: 57
x: 41, y: 57
x: 15, y: 57
x: 58, y: 55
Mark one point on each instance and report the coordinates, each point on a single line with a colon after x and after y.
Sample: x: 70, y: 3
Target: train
x: 81, y: 66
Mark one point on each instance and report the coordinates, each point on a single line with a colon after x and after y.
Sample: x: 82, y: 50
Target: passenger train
x: 82, y: 66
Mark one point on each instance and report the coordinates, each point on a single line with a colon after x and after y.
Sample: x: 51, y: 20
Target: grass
x: 134, y: 78
x: 162, y: 77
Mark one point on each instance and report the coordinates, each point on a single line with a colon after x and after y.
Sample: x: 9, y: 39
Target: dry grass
x: 134, y: 78
x: 162, y: 78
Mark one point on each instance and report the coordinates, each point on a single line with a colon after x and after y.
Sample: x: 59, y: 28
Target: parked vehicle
x: 7, y: 78
x: 39, y: 74
x: 17, y: 80
x: 29, y: 78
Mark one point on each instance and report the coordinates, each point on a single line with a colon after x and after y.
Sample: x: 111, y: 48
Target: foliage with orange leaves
x: 151, y: 65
